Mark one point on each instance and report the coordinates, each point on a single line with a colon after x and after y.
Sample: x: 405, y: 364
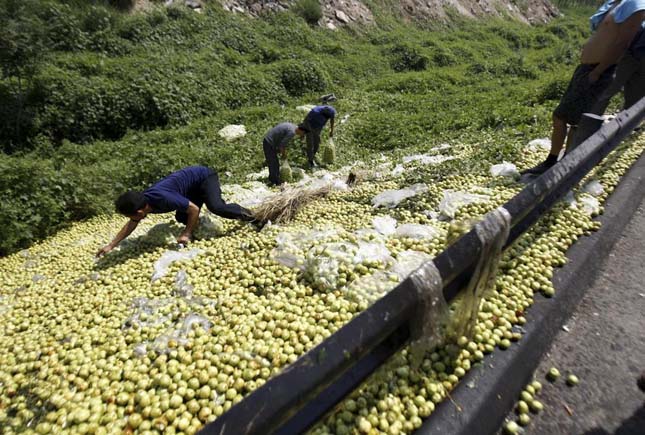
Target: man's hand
x: 104, y: 250
x: 184, y: 238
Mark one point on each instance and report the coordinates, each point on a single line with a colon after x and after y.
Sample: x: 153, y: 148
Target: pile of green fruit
x: 99, y: 347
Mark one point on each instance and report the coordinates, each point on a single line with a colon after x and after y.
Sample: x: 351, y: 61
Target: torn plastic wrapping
x: 322, y: 263
x: 232, y: 132
x: 594, y: 188
x: 161, y: 266
x: 370, y: 288
x: 372, y: 252
x: 182, y: 287
x: 427, y: 327
x: 209, y: 227
x: 385, y: 225
x: 416, y: 231
x: 589, y: 205
x: 148, y: 312
x: 426, y: 159
x: 493, y: 232
x: 392, y: 198
x: 542, y: 144
x: 453, y: 200
x: 174, y: 336
x: 505, y: 169
x: 250, y: 195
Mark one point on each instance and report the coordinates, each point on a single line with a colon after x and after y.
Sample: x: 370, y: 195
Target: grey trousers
x: 271, y: 156
x: 630, y: 76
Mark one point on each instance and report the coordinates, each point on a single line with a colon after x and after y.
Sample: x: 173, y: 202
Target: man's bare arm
x: 627, y: 30
x: 191, y: 223
x: 122, y: 234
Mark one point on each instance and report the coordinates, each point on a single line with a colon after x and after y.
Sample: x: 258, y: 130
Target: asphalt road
x: 603, y: 344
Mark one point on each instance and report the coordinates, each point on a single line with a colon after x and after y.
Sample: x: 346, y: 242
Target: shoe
x: 313, y: 164
x: 537, y: 170
x: 257, y: 224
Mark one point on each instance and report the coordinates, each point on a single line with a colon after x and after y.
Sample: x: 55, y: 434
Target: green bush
x: 310, y: 10
x: 301, y: 77
x: 405, y: 57
x: 552, y: 91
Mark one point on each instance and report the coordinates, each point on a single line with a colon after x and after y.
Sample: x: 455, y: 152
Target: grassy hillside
x: 99, y: 101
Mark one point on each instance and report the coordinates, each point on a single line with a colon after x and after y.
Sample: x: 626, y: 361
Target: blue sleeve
x: 597, y: 18
x: 627, y: 8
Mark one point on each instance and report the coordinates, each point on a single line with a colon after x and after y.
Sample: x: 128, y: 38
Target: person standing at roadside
x: 630, y: 71
x: 314, y: 122
x: 600, y: 54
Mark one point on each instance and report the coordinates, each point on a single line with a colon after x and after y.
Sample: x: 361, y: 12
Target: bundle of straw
x: 283, y: 206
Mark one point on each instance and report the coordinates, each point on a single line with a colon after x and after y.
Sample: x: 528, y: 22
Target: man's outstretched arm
x: 122, y: 234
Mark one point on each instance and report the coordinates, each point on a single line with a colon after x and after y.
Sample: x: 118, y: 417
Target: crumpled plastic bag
x: 542, y: 144
x: 398, y: 170
x: 453, y: 200
x: 407, y: 262
x: 161, y: 266
x: 250, y: 195
x: 593, y: 188
x: 570, y: 199
x: 232, y: 132
x: 392, y: 198
x: 589, y: 205
x: 177, y: 336
x: 385, y: 225
x: 372, y: 253
x: 208, y: 228
x: 505, y: 169
x: 416, y: 231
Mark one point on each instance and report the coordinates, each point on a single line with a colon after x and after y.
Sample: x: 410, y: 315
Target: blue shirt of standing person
x: 184, y: 192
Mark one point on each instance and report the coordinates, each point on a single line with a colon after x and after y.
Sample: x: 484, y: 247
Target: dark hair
x: 303, y: 128
x: 128, y: 203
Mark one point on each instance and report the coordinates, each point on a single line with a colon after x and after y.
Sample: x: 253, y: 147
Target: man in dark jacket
x: 276, y: 142
x: 314, y: 122
x: 183, y: 192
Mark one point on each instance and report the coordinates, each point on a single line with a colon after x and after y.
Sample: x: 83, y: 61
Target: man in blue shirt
x: 183, y: 192
x: 314, y: 122
x: 275, y: 142
x: 630, y: 71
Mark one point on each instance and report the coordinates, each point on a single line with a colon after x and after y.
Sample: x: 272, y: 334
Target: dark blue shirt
x: 319, y: 115
x: 177, y: 189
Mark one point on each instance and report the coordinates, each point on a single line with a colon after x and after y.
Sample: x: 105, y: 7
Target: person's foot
x: 312, y: 164
x: 538, y: 170
x: 257, y: 224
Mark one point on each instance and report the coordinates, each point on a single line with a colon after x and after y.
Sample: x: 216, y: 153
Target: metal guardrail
x: 292, y: 401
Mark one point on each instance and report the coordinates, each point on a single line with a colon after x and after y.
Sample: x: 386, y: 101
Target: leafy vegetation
x: 310, y: 10
x: 96, y: 101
